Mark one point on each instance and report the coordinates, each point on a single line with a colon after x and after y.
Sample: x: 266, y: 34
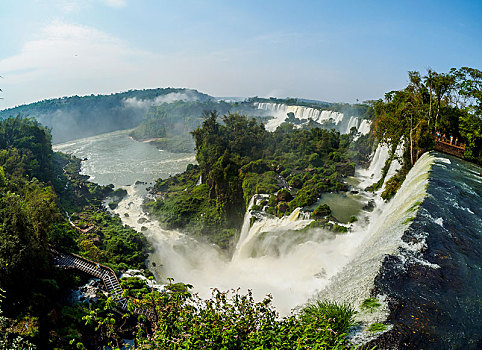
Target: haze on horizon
x: 344, y: 51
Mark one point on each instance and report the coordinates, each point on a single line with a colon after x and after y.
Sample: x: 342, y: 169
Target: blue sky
x: 327, y: 50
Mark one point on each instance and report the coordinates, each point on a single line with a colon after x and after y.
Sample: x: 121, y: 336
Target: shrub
x: 321, y: 211
x: 341, y: 314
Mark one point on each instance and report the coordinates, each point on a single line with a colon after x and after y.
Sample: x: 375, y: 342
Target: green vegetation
x: 370, y: 304
x: 238, y: 158
x: 36, y: 188
x: 234, y: 321
x: 377, y: 327
x: 78, y: 116
x: 446, y: 105
x: 169, y: 125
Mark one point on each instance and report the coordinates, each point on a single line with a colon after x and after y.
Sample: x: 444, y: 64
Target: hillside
x: 81, y: 116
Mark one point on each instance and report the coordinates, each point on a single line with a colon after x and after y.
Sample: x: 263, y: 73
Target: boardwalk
x: 106, y: 274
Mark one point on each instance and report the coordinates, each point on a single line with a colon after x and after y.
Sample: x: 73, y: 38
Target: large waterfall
x: 382, y: 237
x: 329, y: 119
x: 420, y: 251
x: 273, y: 256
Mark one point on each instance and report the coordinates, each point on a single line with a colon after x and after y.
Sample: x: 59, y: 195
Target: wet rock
x: 126, y: 215
x: 283, y: 196
x: 369, y: 206
x: 142, y: 220
x: 143, y: 228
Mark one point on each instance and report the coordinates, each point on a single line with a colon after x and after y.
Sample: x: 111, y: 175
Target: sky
x: 336, y: 51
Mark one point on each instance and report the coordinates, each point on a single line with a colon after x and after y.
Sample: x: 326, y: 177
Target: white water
x: 374, y: 172
x: 338, y: 120
x: 271, y: 256
x: 382, y: 237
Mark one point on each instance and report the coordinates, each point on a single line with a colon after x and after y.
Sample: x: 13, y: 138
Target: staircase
x: 106, y: 274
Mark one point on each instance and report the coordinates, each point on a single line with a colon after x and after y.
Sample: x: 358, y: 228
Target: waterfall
x: 246, y: 223
x: 396, y: 163
x: 364, y: 127
x: 382, y: 237
x: 329, y: 119
x: 374, y: 172
x: 249, y: 234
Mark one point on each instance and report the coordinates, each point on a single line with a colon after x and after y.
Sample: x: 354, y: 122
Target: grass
x: 370, y: 304
x: 340, y: 313
x: 377, y: 327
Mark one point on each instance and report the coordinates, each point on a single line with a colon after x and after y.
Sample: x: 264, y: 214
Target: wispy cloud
x: 70, y: 54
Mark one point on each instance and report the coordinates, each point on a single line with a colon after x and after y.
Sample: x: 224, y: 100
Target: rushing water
x: 432, y: 226
x: 272, y: 258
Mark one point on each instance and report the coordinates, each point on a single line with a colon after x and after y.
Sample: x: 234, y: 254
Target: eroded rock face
x: 283, y: 196
x: 283, y: 207
x: 345, y: 169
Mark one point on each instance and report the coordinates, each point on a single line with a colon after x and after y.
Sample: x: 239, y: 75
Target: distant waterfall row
x: 329, y: 119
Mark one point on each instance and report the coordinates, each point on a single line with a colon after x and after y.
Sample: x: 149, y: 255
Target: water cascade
x: 329, y: 119
x: 382, y: 237
x: 374, y: 172
x: 282, y: 258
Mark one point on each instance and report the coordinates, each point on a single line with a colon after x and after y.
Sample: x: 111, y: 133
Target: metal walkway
x: 106, y: 274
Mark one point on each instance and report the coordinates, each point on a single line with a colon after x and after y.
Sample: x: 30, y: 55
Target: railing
x: 105, y: 273
x: 446, y: 146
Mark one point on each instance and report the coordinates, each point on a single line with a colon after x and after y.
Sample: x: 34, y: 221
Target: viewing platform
x: 445, y: 146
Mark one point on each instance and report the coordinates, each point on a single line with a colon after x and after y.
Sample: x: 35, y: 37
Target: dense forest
x: 82, y: 116
x: 37, y: 186
x: 45, y: 203
x: 169, y: 125
x: 445, y: 106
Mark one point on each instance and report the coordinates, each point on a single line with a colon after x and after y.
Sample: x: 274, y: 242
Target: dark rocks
x: 283, y: 207
x: 369, y: 206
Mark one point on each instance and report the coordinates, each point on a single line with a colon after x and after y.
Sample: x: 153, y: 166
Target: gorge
x: 299, y: 265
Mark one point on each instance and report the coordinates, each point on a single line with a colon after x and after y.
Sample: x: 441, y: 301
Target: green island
x: 238, y: 158
x: 45, y: 203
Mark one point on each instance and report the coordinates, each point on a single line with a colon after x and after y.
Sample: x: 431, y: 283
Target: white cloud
x: 66, y: 58
x: 115, y: 3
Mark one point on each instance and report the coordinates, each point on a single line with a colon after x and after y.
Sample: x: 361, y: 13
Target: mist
x: 134, y: 102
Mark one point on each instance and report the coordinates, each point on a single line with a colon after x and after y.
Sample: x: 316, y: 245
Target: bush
x: 377, y: 327
x: 321, y: 211
x: 234, y: 321
x: 342, y: 315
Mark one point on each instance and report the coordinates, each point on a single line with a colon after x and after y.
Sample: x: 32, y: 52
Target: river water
x: 273, y: 260
x: 423, y: 246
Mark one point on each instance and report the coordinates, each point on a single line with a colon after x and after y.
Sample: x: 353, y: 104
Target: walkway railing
x: 446, y: 146
x: 105, y: 273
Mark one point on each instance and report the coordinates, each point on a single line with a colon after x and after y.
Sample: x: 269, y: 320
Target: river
x: 422, y: 247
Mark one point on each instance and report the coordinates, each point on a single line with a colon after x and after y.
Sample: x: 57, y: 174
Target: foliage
x: 448, y: 104
x: 9, y: 338
x: 238, y: 158
x: 78, y: 116
x: 234, y: 321
x: 370, y: 304
x: 377, y: 327
x: 321, y: 211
